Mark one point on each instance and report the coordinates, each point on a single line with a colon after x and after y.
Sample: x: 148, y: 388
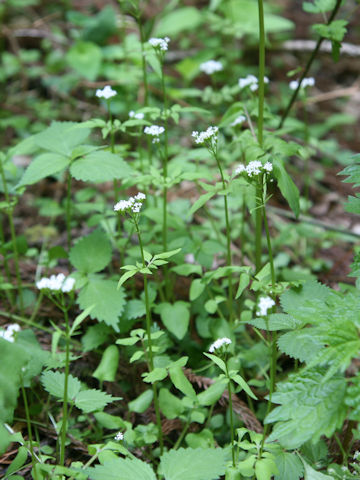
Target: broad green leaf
x: 155, y: 375
x: 108, y: 300
x: 308, y: 408
x: 18, y: 462
x: 79, y: 319
x: 185, y: 18
x: 92, y: 400
x: 200, y: 202
x: 289, y: 466
x: 318, y: 6
x: 193, y: 464
x: 187, y: 269
x: 95, y: 336
x: 85, y: 58
x: 175, y: 317
x: 62, y: 137
x: 43, y: 166
x: 53, y: 382
x: 265, y: 468
x: 287, y: 187
x: 180, y: 381
x: 300, y: 344
x: 311, y: 474
x: 212, y: 394
x: 134, y: 309
x: 276, y: 321
x: 101, y: 166
x: 335, y: 31
x: 142, y: 402
x: 196, y: 289
x: 92, y: 253
x: 217, y: 360
x: 107, y: 368
x: 122, y: 469
x: 171, y: 406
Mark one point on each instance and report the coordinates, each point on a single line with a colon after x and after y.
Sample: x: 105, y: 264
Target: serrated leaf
x: 91, y: 400
x: 276, y: 321
x: 99, y: 167
x: 92, y: 253
x: 308, y: 408
x: 122, y: 469
x: 134, y: 309
x: 53, y: 382
x: 193, y: 464
x: 289, y: 466
x: 108, y: 300
x: 43, y: 166
x: 300, y: 344
x: 62, y: 137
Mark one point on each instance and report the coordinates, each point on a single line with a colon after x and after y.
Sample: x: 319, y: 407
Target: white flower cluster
x: 107, y: 92
x: 251, y: 81
x: 137, y: 116
x: 56, y: 283
x: 209, y: 134
x: 211, y: 66
x: 160, y: 43
x: 8, y: 334
x: 155, y: 131
x: 220, y: 342
x: 119, y: 436
x: 238, y: 121
x: 133, y: 203
x: 264, y: 304
x: 254, y: 168
x: 307, y: 82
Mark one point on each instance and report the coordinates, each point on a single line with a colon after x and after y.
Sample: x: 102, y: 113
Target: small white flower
x: 251, y: 81
x: 56, y: 283
x: 264, y: 304
x: 268, y: 167
x: 220, y: 342
x: 119, y: 436
x: 211, y: 66
x: 209, y: 134
x: 138, y: 116
x: 254, y: 168
x: 239, y: 169
x: 356, y: 455
x: 238, y: 120
x: 160, y: 43
x: 107, y: 92
x: 307, y: 82
x: 154, y: 130
x: 133, y: 203
x: 8, y: 334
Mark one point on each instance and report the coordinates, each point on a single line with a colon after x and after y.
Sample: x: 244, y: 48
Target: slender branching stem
x: 68, y: 210
x: 28, y: 423
x: 148, y: 332
x: 6, y: 266
x: 66, y: 381
x: 231, y: 415
x: 308, y: 66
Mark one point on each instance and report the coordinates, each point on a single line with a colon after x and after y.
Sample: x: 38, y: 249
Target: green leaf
x: 185, y: 18
x: 43, y: 166
x: 193, y: 464
x: 300, y: 344
x: 122, y: 469
x: 171, y: 406
x: 265, y: 468
x: 155, y: 375
x: 125, y: 277
x: 212, y: 394
x: 241, y: 382
x: 108, y: 300
x: 217, y: 360
x: 200, y: 202
x: 276, y: 321
x: 287, y: 187
x: 308, y: 408
x: 168, y: 254
x: 18, y: 462
x: 95, y: 336
x: 91, y: 400
x: 62, y: 137
x: 53, y: 382
x: 319, y: 6
x: 107, y: 368
x: 101, y: 166
x: 92, y: 253
x: 335, y: 31
x: 180, y: 381
x: 196, y: 289
x: 142, y: 402
x: 289, y: 466
x: 175, y: 317
x: 244, y: 281
x: 134, y: 309
x: 85, y: 58
x: 311, y: 474
x: 79, y: 319
x: 187, y: 269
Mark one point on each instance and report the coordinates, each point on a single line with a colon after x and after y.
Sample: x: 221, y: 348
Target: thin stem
x: 28, y: 423
x: 65, y: 397
x: 6, y: 266
x: 143, y: 61
x: 228, y: 240
x: 68, y: 210
x: 165, y: 160
x: 308, y: 66
x: 148, y: 332
x: 231, y: 416
x: 258, y: 224
x: 182, y: 435
x: 261, y: 72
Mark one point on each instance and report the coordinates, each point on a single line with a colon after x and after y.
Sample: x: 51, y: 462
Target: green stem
x: 258, y: 224
x: 231, y: 416
x: 182, y: 435
x: 28, y: 423
x: 228, y: 239
x: 68, y: 210
x: 6, y: 266
x: 148, y: 332
x: 65, y: 397
x: 13, y: 237
x: 308, y: 66
x: 143, y: 61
